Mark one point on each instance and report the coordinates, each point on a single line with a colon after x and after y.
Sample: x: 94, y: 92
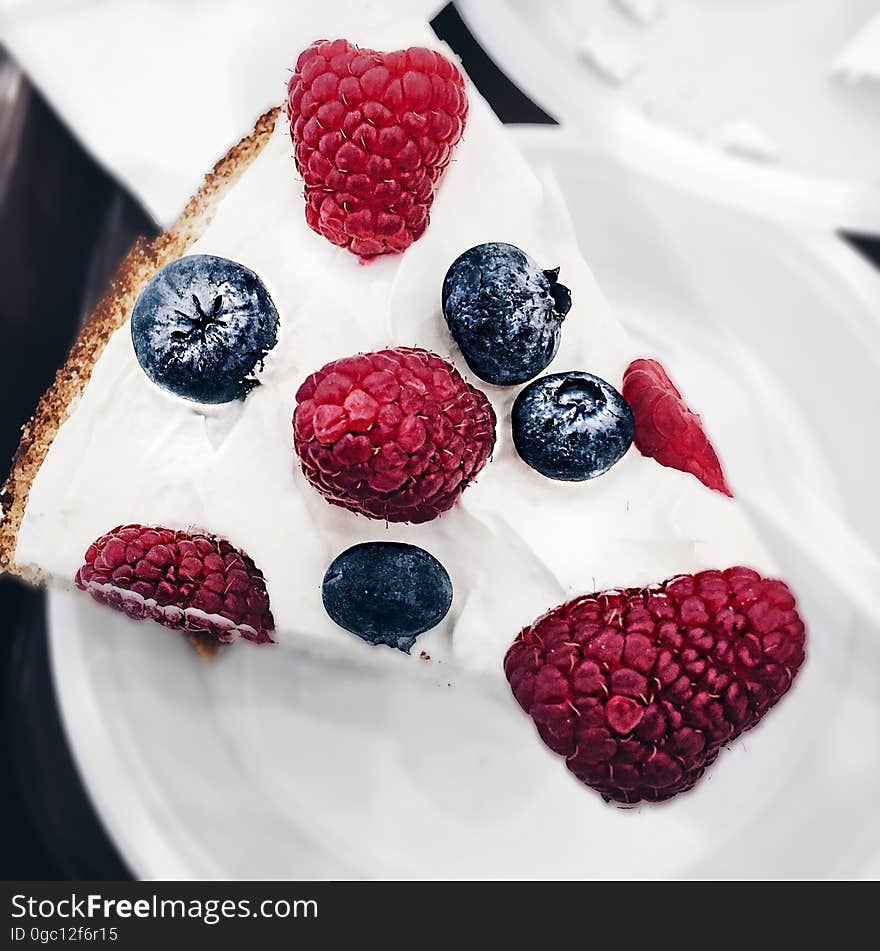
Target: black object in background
x: 64, y: 226
x: 867, y: 245
x: 507, y: 100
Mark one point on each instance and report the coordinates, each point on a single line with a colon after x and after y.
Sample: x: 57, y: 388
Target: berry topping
x: 666, y: 429
x: 201, y: 327
x: 396, y: 434
x: 571, y: 426
x: 504, y: 312
x: 191, y: 582
x: 372, y: 134
x: 387, y: 593
x: 639, y: 689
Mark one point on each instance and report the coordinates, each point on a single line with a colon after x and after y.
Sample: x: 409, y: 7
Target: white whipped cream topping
x: 515, y: 545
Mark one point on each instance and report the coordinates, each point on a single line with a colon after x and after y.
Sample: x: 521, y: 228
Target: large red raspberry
x: 666, y: 428
x: 395, y: 435
x: 191, y: 582
x: 372, y: 134
x: 639, y: 689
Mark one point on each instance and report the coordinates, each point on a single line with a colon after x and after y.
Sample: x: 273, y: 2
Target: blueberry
x: 387, y: 592
x: 571, y: 426
x: 504, y: 312
x: 201, y: 326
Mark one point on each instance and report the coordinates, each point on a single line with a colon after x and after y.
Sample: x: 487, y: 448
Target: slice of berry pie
x: 366, y: 395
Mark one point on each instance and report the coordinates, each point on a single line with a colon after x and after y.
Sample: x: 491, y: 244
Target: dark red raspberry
x: 191, y: 582
x: 372, y: 134
x: 395, y: 435
x: 639, y: 689
x: 666, y: 429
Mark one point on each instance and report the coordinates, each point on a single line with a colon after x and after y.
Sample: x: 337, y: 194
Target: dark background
x: 64, y: 226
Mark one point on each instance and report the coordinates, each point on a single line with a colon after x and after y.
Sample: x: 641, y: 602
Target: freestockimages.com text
x: 210, y: 911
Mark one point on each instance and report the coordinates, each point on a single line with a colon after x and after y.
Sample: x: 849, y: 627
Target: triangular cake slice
x: 109, y: 448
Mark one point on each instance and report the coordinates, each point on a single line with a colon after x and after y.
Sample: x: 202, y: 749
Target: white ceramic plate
x: 704, y: 66
x: 273, y: 764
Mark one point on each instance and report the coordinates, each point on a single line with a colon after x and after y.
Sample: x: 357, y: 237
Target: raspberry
x: 396, y: 434
x: 372, y: 133
x: 666, y: 429
x: 190, y: 582
x: 640, y: 688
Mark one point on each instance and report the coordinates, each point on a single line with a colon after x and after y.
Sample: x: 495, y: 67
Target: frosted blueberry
x: 387, y: 592
x: 504, y: 312
x: 201, y: 327
x: 571, y: 426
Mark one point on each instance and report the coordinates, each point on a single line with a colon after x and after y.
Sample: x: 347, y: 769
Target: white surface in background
x: 861, y: 58
x: 703, y: 63
x: 642, y: 11
x: 744, y: 138
x: 157, y: 90
x: 609, y: 54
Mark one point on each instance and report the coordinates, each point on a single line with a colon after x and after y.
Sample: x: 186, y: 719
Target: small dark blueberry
x: 201, y: 327
x: 387, y: 592
x: 571, y: 426
x: 504, y: 312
